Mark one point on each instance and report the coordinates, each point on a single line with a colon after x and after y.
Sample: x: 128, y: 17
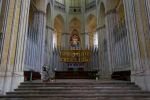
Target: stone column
x: 143, y: 28
x: 68, y: 40
x: 111, y: 21
x: 51, y: 47
x: 132, y: 33
x: 103, y: 53
x: 82, y: 39
x: 120, y: 49
x: 147, y: 2
x: 86, y: 40
x: 0, y: 5
x: 21, y: 44
x: 65, y: 40
x: 143, y: 33
x: 10, y: 73
x: 5, y: 76
x: 48, y: 55
x: 137, y: 72
x: 40, y: 26
x: 54, y: 59
x: 99, y: 51
x: 46, y: 48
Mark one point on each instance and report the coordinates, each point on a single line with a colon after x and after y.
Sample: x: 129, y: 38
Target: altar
x: 75, y: 59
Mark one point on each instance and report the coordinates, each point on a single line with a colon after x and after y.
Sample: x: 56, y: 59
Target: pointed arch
x: 59, y: 28
x: 101, y: 17
x: 91, y: 28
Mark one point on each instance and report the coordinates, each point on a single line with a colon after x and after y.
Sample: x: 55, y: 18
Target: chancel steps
x: 77, y: 90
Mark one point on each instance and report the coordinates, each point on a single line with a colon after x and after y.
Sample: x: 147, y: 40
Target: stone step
x: 83, y: 91
x: 96, y: 98
x: 77, y: 98
x: 72, y: 85
x: 77, y: 92
x: 78, y: 95
x: 76, y: 88
x: 108, y: 98
x: 46, y: 98
x: 78, y: 82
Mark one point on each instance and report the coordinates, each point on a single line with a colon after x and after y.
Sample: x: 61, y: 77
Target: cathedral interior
x: 76, y: 39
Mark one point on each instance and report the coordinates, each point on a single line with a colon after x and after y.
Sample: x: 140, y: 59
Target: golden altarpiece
x: 75, y: 57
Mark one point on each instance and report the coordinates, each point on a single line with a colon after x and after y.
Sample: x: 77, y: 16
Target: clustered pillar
x: 111, y: 20
x: 14, y: 29
x: 34, y: 58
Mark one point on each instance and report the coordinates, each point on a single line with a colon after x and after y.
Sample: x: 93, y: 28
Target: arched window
x: 96, y: 39
x: 91, y: 28
x: 59, y: 29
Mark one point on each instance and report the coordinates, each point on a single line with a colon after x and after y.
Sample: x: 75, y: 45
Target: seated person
x: 45, y: 76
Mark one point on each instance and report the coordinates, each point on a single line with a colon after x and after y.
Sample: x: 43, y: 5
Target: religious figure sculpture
x: 75, y: 40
